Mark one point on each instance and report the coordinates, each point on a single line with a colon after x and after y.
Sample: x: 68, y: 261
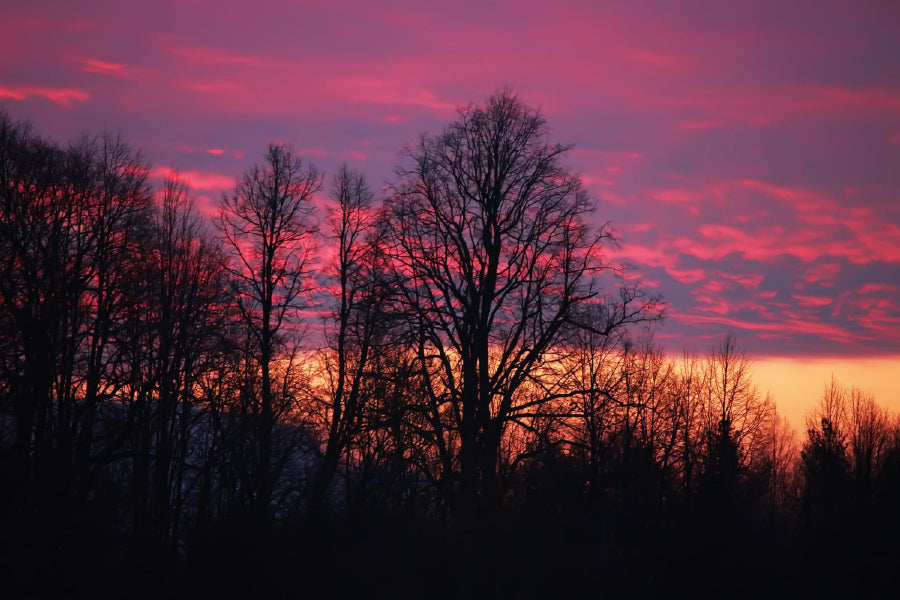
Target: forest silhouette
x: 448, y: 389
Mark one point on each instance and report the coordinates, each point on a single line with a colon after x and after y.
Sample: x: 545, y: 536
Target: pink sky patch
x: 749, y: 163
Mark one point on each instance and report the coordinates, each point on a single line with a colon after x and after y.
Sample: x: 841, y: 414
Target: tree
x: 869, y: 432
x: 738, y: 419
x: 688, y: 405
x: 783, y: 492
x: 72, y: 220
x: 34, y: 245
x: 852, y: 419
x: 119, y: 213
x: 267, y: 224
x: 173, y: 330
x: 826, y: 468
x: 495, y: 258
x: 356, y: 327
x: 598, y: 374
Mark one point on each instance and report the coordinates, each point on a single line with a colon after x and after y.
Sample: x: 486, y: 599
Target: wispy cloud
x: 61, y: 96
x: 197, y: 180
x: 89, y: 65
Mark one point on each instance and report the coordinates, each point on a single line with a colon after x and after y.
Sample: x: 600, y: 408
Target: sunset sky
x: 747, y: 153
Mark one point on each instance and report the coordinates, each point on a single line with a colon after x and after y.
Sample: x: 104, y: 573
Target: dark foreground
x: 508, y: 556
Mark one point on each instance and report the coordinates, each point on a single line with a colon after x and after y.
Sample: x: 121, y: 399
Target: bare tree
x: 595, y: 380
x: 868, y: 429
x: 117, y: 225
x: 738, y: 419
x: 783, y: 474
x: 178, y: 314
x: 826, y: 467
x: 356, y: 326
x: 37, y: 285
x: 267, y: 225
x: 688, y: 404
x: 490, y: 240
x: 863, y: 427
x: 832, y: 407
x: 72, y: 222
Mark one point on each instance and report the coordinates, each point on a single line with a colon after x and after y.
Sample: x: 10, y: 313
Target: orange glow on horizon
x: 797, y: 382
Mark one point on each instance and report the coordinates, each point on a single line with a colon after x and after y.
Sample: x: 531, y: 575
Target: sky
x: 747, y: 153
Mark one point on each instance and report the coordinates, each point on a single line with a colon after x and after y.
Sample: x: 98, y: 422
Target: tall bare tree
x: 178, y: 315
x: 868, y: 429
x: 825, y: 465
x: 852, y: 416
x: 356, y: 326
x: 738, y: 419
x: 72, y: 222
x: 490, y: 237
x: 267, y: 224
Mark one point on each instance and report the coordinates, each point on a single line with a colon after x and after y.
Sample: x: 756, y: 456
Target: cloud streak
x: 64, y: 97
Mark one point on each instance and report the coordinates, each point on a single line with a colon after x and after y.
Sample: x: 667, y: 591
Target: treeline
x: 462, y: 357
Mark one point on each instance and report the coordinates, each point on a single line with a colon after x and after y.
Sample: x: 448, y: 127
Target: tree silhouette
x: 357, y: 327
x: 178, y: 311
x: 826, y: 468
x: 73, y: 222
x: 496, y: 259
x: 267, y: 225
x: 738, y: 420
x: 869, y: 432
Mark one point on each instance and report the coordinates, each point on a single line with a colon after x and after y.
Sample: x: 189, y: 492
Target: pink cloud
x: 390, y: 91
x: 795, y: 326
x: 812, y: 301
x: 823, y: 274
x: 874, y: 307
x: 244, y: 84
x: 632, y: 275
x: 197, y: 180
x: 687, y: 276
x: 712, y: 305
x: 875, y: 240
x: 701, y: 125
x: 712, y: 286
x: 761, y: 106
x: 101, y: 67
x: 237, y: 154
x: 874, y: 288
x: 211, y: 86
x: 606, y: 168
x: 207, y: 206
x: 356, y: 155
x: 834, y: 97
x: 812, y: 224
x: 748, y: 280
x: 64, y: 97
x: 648, y: 255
